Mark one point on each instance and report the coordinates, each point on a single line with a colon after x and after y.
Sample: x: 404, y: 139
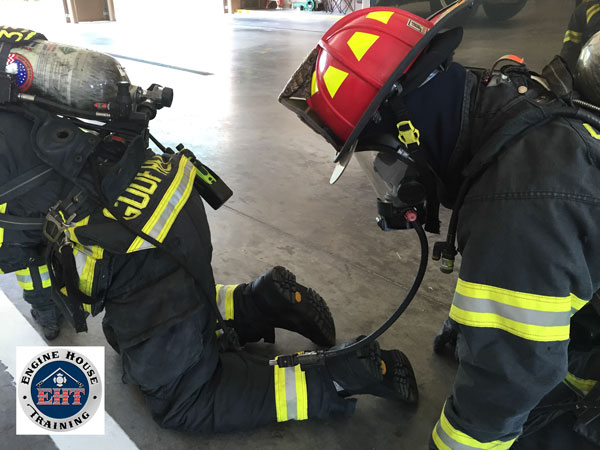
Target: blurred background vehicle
x: 494, y: 9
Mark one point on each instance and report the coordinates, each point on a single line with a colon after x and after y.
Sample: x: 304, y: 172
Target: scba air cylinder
x: 69, y: 75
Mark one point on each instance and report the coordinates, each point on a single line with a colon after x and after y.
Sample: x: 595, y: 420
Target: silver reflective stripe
x: 170, y: 207
x: 454, y: 445
x: 45, y: 276
x: 24, y: 278
x: 290, y: 393
x: 574, y: 311
x: 521, y: 315
x: 221, y: 299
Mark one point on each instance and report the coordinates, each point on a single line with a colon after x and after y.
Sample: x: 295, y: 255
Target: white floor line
x: 14, y: 331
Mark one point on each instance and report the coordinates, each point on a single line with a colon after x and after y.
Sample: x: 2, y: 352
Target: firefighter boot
x: 44, y: 311
x: 47, y: 316
x: 276, y: 300
x: 370, y: 370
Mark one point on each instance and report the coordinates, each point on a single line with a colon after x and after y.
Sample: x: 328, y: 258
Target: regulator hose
x: 319, y: 356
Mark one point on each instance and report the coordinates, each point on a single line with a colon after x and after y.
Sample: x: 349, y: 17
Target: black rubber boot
x: 446, y: 339
x: 48, y: 317
x: 276, y: 300
x: 370, y: 370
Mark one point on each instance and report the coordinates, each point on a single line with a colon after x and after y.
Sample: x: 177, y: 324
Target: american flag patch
x: 18, y: 65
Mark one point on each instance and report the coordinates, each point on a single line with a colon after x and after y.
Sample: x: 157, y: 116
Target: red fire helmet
x: 356, y: 65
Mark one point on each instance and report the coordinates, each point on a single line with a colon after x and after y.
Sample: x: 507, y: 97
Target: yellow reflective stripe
x: 333, y: 79
x: 572, y: 36
x: 579, y: 385
x: 85, y: 261
x: 523, y: 330
x: 71, y: 230
x: 591, y: 129
x: 2, y: 211
x: 45, y: 276
x: 360, y: 43
x: 169, y: 207
x: 291, y: 395
x: 24, y: 279
x: 301, y: 394
x: 280, y: 396
x: 514, y: 298
x: 446, y: 437
x: 229, y: 302
x: 314, y: 88
x: 438, y: 441
x: 381, y: 16
x: 591, y: 12
x: 225, y: 300
x: 576, y: 304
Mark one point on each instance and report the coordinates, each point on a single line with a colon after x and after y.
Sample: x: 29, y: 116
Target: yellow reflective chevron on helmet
x: 333, y: 79
x: 360, y: 43
x: 381, y: 16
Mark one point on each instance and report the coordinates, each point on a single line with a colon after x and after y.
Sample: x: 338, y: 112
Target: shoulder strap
x: 25, y: 182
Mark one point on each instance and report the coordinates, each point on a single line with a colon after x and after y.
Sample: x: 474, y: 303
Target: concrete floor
x: 284, y: 211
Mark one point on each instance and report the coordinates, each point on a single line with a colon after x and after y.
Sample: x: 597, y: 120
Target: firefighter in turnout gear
x: 123, y: 230
x: 520, y: 167
x: 584, y: 23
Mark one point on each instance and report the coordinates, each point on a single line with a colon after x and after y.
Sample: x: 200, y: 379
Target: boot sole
x: 403, y: 377
x: 316, y: 322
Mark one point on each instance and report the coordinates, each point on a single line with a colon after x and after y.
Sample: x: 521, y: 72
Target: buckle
x: 407, y: 133
x: 55, y: 225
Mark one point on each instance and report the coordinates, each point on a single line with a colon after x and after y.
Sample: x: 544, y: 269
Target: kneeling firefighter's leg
x: 35, y: 282
x: 276, y: 300
x: 189, y: 386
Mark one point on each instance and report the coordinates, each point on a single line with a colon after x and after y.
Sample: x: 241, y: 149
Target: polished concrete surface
x: 227, y: 78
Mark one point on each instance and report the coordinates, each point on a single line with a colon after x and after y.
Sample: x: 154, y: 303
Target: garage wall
x: 31, y: 14
x: 167, y: 11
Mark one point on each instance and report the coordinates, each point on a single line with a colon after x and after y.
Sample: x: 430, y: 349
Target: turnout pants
x: 159, y: 318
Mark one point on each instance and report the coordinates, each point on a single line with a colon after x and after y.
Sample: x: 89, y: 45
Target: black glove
x: 446, y: 338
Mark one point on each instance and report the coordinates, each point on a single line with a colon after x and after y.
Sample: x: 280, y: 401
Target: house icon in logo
x: 60, y: 388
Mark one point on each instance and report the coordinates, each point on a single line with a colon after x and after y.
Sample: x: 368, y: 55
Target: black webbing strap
x: 5, y: 48
x: 559, y: 78
x: 25, y: 182
x: 426, y: 174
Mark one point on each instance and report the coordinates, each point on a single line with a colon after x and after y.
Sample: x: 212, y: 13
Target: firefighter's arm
x: 512, y: 304
x: 573, y: 39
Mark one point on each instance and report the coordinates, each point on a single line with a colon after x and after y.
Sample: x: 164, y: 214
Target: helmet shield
x: 385, y: 172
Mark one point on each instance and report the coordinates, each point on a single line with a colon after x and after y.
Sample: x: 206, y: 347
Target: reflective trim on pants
x: 225, y: 300
x: 529, y: 316
x: 25, y: 279
x: 446, y: 437
x: 291, y: 395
